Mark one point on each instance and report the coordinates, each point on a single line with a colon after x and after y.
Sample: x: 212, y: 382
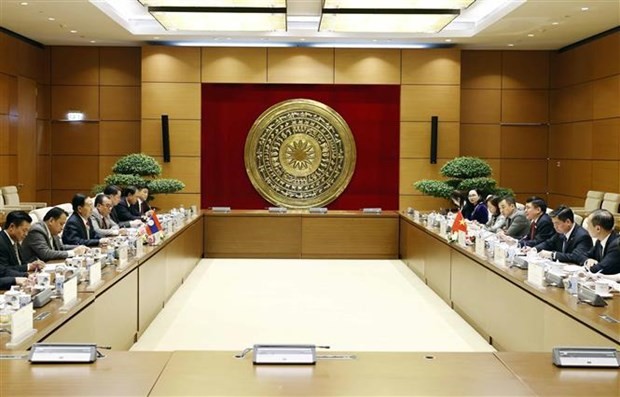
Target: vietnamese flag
x: 459, y: 223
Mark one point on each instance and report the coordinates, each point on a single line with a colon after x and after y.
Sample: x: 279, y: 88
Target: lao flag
x: 153, y: 225
x: 459, y: 223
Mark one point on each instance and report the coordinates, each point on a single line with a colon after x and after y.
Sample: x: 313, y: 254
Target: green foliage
x: 124, y: 180
x: 465, y: 173
x: 483, y: 184
x: 97, y: 189
x: 465, y: 168
x: 138, y: 169
x: 165, y: 185
x: 503, y: 191
x: 137, y: 164
x: 434, y: 188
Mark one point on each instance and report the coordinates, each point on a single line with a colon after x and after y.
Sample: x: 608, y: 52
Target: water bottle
x: 60, y: 284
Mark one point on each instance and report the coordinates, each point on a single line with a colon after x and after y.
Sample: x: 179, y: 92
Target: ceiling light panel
x: 400, y: 4
x: 214, y: 3
x: 178, y: 19
x: 385, y: 23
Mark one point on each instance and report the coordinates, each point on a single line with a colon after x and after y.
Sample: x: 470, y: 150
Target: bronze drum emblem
x: 300, y: 153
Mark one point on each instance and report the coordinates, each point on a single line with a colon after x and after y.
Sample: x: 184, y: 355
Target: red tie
x: 532, y: 230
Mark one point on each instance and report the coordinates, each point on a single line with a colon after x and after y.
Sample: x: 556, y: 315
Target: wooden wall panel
x: 8, y: 94
x: 43, y: 101
x: 177, y: 100
x: 165, y: 202
x: 105, y: 166
x: 573, y: 103
x: 120, y: 66
x: 555, y: 200
x: 525, y: 106
x: 480, y: 106
x: 415, y: 138
x: 525, y: 69
x: 44, y: 176
x: 524, y: 176
x: 27, y: 138
x: 481, y: 69
x: 607, y: 63
x: 8, y: 170
x: 420, y: 103
x: 605, y: 176
x: 80, y: 98
x: 234, y: 65
x: 529, y: 142
x: 606, y: 138
x: 480, y: 140
x: 606, y: 97
x: 119, y: 137
x: 119, y: 103
x: 75, y: 138
x: 186, y: 169
x: 435, y: 67
x: 171, y: 64
x: 571, y: 141
x: 63, y: 196
x: 75, y: 66
x: 412, y: 170
x: 30, y: 61
x: 367, y: 66
x: 570, y: 177
x: 65, y: 177
x: 422, y: 203
x: 44, y: 137
x: 9, y: 63
x: 300, y: 65
x: 184, y: 137
x: 5, y: 135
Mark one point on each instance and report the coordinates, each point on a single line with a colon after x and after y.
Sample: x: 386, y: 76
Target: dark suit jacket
x: 124, y: 212
x: 6, y: 282
x: 610, y: 262
x: 543, y: 231
x: 575, y: 250
x: 37, y: 245
x: 75, y: 232
x: 140, y: 208
x: 114, y: 216
x: 9, y: 264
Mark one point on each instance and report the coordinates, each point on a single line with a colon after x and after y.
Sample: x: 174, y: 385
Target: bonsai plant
x: 464, y: 173
x: 139, y: 169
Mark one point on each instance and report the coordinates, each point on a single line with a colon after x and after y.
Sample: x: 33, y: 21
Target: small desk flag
x: 152, y: 224
x: 459, y: 223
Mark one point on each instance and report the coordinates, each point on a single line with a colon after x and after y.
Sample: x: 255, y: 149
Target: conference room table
x: 219, y: 373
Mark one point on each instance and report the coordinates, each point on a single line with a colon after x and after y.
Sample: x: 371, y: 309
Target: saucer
x: 606, y: 296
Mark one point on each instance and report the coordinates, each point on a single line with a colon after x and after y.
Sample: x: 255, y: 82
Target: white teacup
x: 601, y: 287
x: 43, y: 279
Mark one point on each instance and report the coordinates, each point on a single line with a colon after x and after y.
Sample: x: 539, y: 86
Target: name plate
x: 536, y: 274
x: 371, y: 210
x: 218, y: 209
x: 122, y: 257
x: 480, y: 246
x: 94, y: 274
x: 284, y: 354
x: 139, y: 247
x: 461, y: 238
x: 416, y: 216
x: 278, y: 210
x: 69, y: 291
x: 318, y: 210
x: 442, y: 228
x: 21, y: 324
x: 499, y: 255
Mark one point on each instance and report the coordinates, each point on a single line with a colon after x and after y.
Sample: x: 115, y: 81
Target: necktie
x: 598, y: 251
x: 104, y: 224
x: 563, y: 243
x: 16, y: 248
x: 532, y: 230
x: 87, y: 227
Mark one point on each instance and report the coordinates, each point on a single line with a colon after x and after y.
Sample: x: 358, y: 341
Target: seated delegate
x: 570, y: 243
x: 13, y: 268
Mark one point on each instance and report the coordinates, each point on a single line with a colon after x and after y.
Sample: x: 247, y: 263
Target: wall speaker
x: 434, y: 131
x: 165, y: 137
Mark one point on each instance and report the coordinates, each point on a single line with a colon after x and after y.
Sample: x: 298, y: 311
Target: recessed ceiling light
x: 585, y: 8
x: 155, y: 37
x: 23, y: 3
x: 448, y: 40
x: 73, y: 31
x: 51, y: 19
x: 511, y: 45
x: 530, y: 35
x: 555, y: 23
x: 93, y: 41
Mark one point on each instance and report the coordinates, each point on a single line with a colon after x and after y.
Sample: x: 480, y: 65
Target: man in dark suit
x: 43, y: 241
x: 604, y: 257
x: 141, y: 207
x: 14, y: 270
x: 541, y: 226
x: 123, y: 209
x: 79, y: 227
x: 571, y: 243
